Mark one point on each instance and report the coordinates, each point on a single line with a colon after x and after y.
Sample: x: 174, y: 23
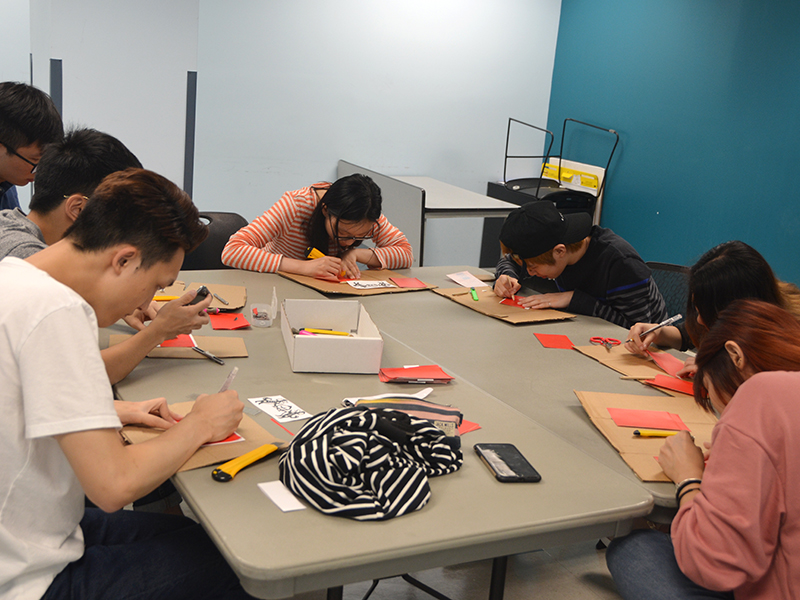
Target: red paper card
x: 513, y: 301
x: 647, y: 419
x: 666, y: 361
x: 553, y: 340
x: 228, y: 321
x: 672, y: 383
x: 182, y: 341
x: 407, y: 282
x: 424, y: 373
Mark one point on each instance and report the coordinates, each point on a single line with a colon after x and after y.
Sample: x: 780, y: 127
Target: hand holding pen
x: 642, y: 335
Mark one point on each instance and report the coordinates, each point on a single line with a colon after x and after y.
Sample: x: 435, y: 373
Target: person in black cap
x: 596, y: 271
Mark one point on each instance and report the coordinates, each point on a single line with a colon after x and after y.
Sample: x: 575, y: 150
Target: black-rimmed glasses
x: 353, y: 238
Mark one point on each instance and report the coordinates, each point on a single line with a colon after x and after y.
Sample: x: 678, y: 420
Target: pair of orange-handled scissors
x: 604, y: 341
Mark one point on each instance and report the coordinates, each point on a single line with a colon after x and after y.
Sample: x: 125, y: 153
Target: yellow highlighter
x: 314, y: 253
x: 227, y: 471
x: 164, y: 298
x: 652, y: 433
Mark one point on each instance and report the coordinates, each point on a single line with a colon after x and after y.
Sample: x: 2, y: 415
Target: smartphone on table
x: 507, y: 463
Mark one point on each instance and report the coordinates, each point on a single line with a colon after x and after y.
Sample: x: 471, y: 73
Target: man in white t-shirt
x: 58, y: 435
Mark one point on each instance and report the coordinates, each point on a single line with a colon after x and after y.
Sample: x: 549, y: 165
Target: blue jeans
x: 136, y: 555
x: 643, y: 566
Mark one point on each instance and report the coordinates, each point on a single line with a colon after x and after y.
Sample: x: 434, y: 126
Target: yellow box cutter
x: 227, y: 471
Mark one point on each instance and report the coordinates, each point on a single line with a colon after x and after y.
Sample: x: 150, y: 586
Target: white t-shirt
x: 52, y: 381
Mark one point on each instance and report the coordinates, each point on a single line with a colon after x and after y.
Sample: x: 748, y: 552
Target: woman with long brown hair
x: 737, y: 530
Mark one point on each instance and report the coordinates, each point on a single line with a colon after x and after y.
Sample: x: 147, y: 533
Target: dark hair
x: 140, y: 208
x: 728, y: 272
x: 768, y: 335
x: 353, y: 198
x: 27, y: 116
x: 76, y: 165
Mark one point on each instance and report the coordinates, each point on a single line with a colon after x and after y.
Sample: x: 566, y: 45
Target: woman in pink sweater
x: 737, y: 531
x: 333, y: 218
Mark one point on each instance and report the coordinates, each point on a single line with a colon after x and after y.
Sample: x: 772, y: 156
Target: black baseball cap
x: 536, y: 227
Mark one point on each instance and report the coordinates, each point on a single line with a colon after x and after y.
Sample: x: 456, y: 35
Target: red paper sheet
x: 407, y: 282
x: 182, y: 341
x: 467, y: 426
x: 513, y: 301
x: 672, y: 383
x: 553, y: 340
x: 424, y: 373
x: 647, y: 419
x: 228, y: 321
x: 666, y: 361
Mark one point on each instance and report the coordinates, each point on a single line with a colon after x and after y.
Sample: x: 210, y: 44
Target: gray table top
x: 470, y: 516
x: 508, y: 362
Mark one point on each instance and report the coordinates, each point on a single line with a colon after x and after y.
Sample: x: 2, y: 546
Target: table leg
x: 498, y: 583
x: 336, y: 593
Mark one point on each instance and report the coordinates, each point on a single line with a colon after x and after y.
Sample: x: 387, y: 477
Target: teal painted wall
x: 705, y: 95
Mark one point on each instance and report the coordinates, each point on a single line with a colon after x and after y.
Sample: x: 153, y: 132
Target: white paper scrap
x: 280, y: 409
x: 281, y: 496
x: 369, y: 285
x: 467, y: 279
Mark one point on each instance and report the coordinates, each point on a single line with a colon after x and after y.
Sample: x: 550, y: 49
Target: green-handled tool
x: 227, y: 471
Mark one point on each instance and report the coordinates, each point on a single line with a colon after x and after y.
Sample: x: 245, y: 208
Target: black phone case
x: 202, y: 292
x: 507, y: 463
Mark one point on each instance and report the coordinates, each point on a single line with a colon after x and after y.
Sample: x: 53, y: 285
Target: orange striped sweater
x: 281, y: 231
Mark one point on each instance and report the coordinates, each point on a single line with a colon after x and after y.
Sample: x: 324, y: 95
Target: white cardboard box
x: 359, y: 353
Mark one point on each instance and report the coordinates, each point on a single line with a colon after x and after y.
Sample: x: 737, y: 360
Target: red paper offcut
x: 667, y: 362
x: 554, y: 340
x: 407, y: 282
x: 184, y: 340
x: 513, y: 301
x: 467, y: 426
x: 228, y: 321
x: 647, y: 419
x: 672, y: 383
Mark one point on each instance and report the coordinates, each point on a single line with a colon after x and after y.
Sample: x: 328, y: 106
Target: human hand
x: 350, y: 263
x: 219, y: 413
x: 325, y: 267
x: 179, y: 317
x: 151, y: 413
x: 680, y: 458
x: 139, y: 317
x: 638, y: 345
x: 539, y: 301
x: 506, y: 286
x: 689, y: 369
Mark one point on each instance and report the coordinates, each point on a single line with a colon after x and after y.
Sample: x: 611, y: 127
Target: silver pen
x: 228, y: 380
x: 669, y: 321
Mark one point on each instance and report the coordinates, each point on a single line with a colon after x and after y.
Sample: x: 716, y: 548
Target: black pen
x: 208, y: 355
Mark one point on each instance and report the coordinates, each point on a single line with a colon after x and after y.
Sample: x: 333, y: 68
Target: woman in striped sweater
x: 333, y: 218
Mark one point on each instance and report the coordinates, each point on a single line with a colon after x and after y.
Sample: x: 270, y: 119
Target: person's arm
x: 668, y: 337
x: 392, y: 249
x: 113, y: 474
x: 632, y: 296
x: 725, y: 534
x: 174, y: 318
x: 246, y: 249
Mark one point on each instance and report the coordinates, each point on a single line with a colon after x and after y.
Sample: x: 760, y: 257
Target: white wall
x: 124, y: 70
x: 15, y: 45
x: 403, y: 87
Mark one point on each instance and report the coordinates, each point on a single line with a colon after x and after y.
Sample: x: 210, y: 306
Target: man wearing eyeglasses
x: 28, y: 122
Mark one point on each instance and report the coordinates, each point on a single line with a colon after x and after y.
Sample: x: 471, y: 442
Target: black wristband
x: 682, y: 485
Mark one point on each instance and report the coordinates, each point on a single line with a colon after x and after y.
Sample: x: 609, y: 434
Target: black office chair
x: 673, y: 283
x: 208, y: 255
